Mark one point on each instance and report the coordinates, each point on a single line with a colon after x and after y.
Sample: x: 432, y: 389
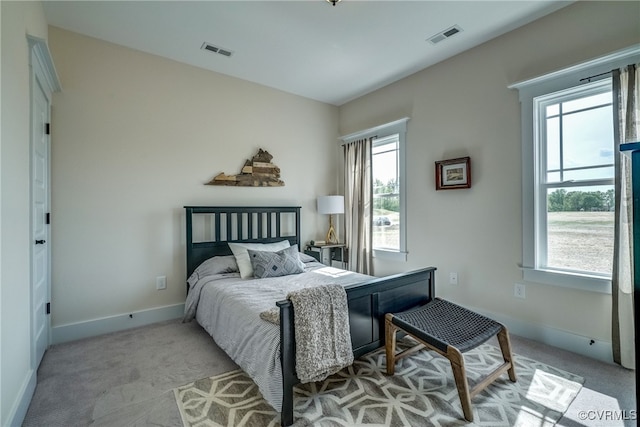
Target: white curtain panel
x: 358, y: 204
x: 626, y: 94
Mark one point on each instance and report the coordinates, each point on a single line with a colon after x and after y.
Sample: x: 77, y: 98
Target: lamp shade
x: 331, y: 204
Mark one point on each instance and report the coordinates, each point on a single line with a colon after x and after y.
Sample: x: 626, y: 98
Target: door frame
x: 41, y: 73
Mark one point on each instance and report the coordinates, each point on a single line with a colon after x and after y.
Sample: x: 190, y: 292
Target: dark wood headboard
x: 220, y: 225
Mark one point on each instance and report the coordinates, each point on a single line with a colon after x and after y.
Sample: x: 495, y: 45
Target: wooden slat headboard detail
x: 210, y: 228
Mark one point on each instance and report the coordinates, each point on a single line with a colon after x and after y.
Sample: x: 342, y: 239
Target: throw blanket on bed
x: 323, y: 340
x: 272, y: 315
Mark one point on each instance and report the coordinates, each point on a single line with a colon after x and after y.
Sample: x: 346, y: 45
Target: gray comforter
x: 229, y: 308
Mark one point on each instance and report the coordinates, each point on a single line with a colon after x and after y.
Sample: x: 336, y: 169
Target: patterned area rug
x: 421, y: 393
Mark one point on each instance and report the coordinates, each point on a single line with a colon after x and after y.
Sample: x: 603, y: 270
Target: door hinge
x: 48, y: 308
x: 47, y: 128
x: 47, y: 218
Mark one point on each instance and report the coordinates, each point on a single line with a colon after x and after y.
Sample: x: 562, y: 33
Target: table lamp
x: 331, y: 205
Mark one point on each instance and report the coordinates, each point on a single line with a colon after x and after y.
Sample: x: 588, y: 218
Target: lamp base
x: 332, y: 238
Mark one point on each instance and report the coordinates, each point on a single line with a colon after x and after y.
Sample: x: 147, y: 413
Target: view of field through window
x: 581, y: 241
x: 578, y: 152
x: 580, y: 228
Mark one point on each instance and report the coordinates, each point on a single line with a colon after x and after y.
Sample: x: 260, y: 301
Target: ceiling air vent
x: 216, y: 49
x: 449, y: 32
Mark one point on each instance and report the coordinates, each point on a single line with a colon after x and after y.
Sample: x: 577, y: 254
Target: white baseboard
x: 105, y: 325
x: 596, y: 349
x: 23, y: 398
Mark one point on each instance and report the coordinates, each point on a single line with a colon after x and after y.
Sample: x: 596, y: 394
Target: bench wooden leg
x: 460, y: 376
x: 505, y: 347
x: 390, y: 343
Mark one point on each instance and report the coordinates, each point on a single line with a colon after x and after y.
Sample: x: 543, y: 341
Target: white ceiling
x: 328, y: 53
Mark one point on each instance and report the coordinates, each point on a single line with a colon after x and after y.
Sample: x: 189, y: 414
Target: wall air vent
x: 443, y: 35
x: 216, y: 49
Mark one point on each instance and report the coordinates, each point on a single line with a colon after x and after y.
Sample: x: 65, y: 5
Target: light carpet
x: 421, y: 393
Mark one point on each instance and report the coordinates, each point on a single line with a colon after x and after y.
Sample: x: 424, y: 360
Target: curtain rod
x: 597, y: 75
x: 603, y: 74
x: 395, y: 126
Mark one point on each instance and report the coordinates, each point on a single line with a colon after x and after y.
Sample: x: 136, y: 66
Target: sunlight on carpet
x: 422, y: 392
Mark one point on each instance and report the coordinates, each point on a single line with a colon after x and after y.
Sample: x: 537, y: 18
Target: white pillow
x: 242, y: 256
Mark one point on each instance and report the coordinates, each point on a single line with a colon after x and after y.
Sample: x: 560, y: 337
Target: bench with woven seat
x: 450, y: 330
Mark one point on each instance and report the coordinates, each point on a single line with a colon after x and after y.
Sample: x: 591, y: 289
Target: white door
x: 39, y: 218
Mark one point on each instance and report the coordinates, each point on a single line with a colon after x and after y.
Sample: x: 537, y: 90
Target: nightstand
x: 326, y: 254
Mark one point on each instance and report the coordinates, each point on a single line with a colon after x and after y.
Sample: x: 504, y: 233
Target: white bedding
x: 229, y: 308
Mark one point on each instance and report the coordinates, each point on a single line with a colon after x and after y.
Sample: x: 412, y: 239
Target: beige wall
x: 135, y: 137
x: 462, y: 107
x: 18, y: 20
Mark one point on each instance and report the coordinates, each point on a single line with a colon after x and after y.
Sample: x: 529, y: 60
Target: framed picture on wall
x: 453, y: 173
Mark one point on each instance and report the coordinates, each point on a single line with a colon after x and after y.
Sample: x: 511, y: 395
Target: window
x: 568, y: 154
x: 386, y: 192
x: 575, y: 195
x: 388, y: 178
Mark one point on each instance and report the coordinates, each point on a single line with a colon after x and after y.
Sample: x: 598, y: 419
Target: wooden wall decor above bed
x: 257, y: 172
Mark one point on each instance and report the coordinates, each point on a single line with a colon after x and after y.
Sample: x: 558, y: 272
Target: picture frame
x: 453, y: 173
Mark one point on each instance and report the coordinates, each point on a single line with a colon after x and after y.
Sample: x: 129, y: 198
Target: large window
x: 568, y: 156
x: 575, y: 197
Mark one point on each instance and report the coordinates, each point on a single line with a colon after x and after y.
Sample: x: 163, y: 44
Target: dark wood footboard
x: 368, y: 302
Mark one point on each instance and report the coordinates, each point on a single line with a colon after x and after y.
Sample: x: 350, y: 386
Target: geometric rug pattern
x: 421, y: 393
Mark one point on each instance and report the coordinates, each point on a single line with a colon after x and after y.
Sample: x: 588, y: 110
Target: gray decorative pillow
x: 275, y: 264
x: 242, y: 256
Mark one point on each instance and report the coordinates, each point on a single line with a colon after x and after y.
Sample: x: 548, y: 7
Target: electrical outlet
x: 519, y: 290
x: 453, y: 278
x: 161, y: 282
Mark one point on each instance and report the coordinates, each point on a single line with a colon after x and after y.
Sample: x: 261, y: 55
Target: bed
x: 264, y: 350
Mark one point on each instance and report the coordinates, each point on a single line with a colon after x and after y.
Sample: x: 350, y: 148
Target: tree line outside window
x: 562, y: 200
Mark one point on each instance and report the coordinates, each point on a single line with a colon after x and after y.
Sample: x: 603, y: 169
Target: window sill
x: 390, y: 255
x: 583, y: 282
